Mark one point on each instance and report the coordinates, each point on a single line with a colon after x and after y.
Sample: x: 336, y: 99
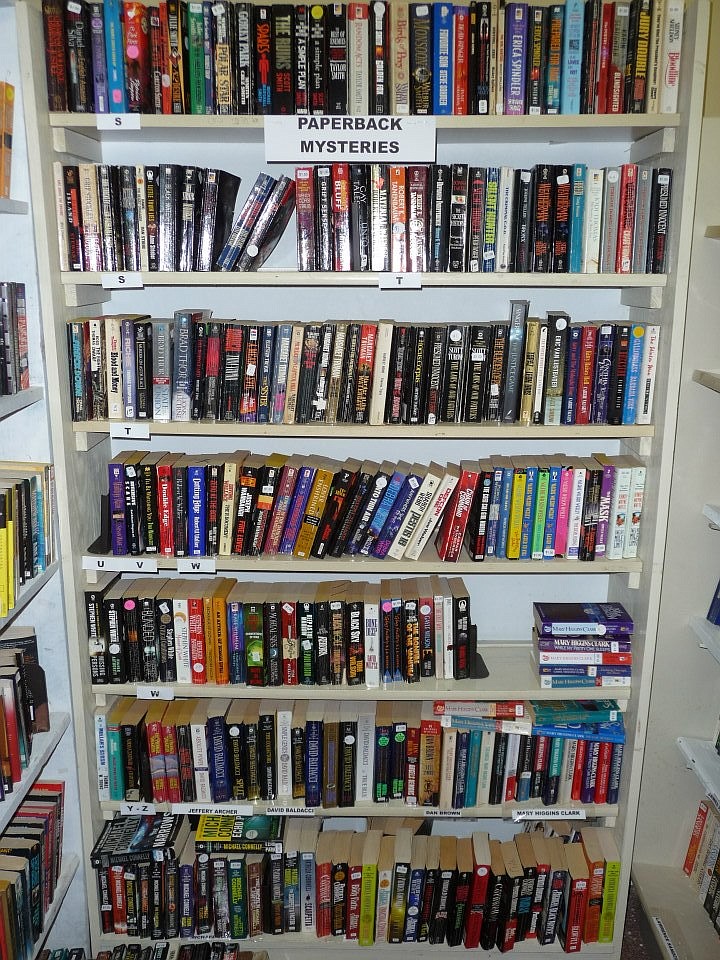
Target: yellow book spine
x: 532, y: 341
x: 609, y: 901
x: 219, y: 636
x: 5, y: 574
x: 208, y: 629
x: 517, y: 504
x: 368, y: 895
x: 313, y: 513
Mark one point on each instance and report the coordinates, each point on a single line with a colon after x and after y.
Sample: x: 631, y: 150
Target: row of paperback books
x: 519, y: 508
x: 388, y: 884
x: 528, y: 370
x: 326, y: 754
x: 27, y: 544
x: 202, y: 950
x: 14, y: 368
x: 582, y: 644
x: 30, y: 865
x: 222, y: 631
x: 702, y: 860
x: 363, y: 58
x: 551, y: 218
x: 7, y: 116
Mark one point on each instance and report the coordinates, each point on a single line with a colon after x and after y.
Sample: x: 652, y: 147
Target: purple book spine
x: 118, y: 532
x: 97, y: 42
x: 236, y: 642
x: 615, y: 769
x: 572, y: 644
x: 589, y: 777
x: 297, y: 509
x: 603, y: 366
x: 606, y: 486
x: 516, y: 30
x: 397, y: 515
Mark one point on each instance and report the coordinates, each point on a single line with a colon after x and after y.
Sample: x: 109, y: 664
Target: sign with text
x: 323, y: 139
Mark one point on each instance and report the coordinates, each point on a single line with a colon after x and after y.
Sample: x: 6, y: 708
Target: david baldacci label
x: 372, y: 139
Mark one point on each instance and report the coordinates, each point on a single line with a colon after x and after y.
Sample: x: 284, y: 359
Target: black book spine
x: 189, y: 209
x: 115, y: 632
x: 543, y: 226
x: 478, y: 370
x: 421, y: 58
x: 167, y: 669
x: 149, y: 641
x: 317, y: 59
x: 198, y: 390
x: 128, y: 213
x: 524, y: 226
x: 661, y: 196
x: 73, y: 216
x: 355, y: 506
x: 266, y: 756
x: 80, y: 75
x: 168, y: 216
x: 350, y: 372
x: 537, y: 60
x: 301, y: 53
x: 418, y: 376
x: 440, y: 218
x: 283, y: 87
x: 151, y: 216
x: 457, y: 243
x: 418, y: 217
x: 337, y: 86
x: 379, y: 96
x: 308, y: 370
x: 244, y: 32
x: 321, y: 641
x: 394, y: 393
x: 143, y: 368
x: 561, y: 220
x: 305, y: 614
x: 436, y: 374
x: 263, y: 58
x: 360, y: 216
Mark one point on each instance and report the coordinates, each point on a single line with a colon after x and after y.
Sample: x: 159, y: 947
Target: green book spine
x: 196, y: 58
x: 541, y: 499
x: 237, y: 885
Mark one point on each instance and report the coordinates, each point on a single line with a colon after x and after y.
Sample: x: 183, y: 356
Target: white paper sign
x: 129, y: 431
x: 120, y: 564
x: 196, y: 565
x: 400, y: 281
x: 547, y: 813
x: 154, y: 693
x: 122, y: 281
x: 373, y: 139
x: 118, y: 121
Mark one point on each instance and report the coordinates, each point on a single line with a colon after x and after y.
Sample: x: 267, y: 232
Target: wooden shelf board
x: 283, y: 564
x: 708, y: 378
x: 713, y: 232
x: 681, y: 927
x: 18, y: 401
x: 297, y: 278
x: 13, y: 206
x: 712, y: 512
x: 43, y: 747
x: 704, y: 760
x: 27, y: 593
x: 442, y: 431
x: 70, y: 864
x: 708, y: 635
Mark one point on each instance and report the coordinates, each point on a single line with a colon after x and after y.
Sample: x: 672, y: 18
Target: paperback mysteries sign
x: 373, y: 139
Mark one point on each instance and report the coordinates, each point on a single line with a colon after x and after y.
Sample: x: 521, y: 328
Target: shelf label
x: 145, y: 809
x: 359, y: 139
x: 291, y: 811
x: 197, y: 809
x: 130, y: 431
x: 120, y: 564
x: 117, y: 121
x: 196, y: 565
x: 431, y: 812
x: 122, y: 281
x: 545, y: 813
x: 400, y: 281
x: 144, y: 692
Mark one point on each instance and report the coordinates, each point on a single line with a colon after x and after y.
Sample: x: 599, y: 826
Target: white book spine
x: 439, y: 635
x: 610, y: 217
x: 619, y: 503
x: 162, y: 371
x: 141, y: 203
x: 654, y: 76
x: 537, y: 406
x: 372, y: 643
x: 648, y: 370
x: 431, y: 517
x: 203, y: 791
x: 101, y: 754
x: 182, y: 640
x: 447, y: 768
x: 400, y: 58
x: 635, y: 507
x: 307, y: 892
x: 566, y: 772
x: 504, y: 231
x: 92, y: 244
x: 62, y: 233
x: 448, y: 637
x: 365, y: 756
x: 358, y: 59
x: 383, y: 349
x: 592, y: 225
x: 577, y: 495
x: 487, y: 748
x: 670, y: 56
x: 113, y: 360
x: 283, y: 730
x: 420, y: 504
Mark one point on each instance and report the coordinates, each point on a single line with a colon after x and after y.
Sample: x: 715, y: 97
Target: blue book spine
x: 615, y: 771
x: 208, y: 57
x: 297, y: 509
x: 281, y: 363
x: 555, y: 31
x: 397, y: 515
x: 265, y: 366
x: 40, y: 560
x: 632, y: 380
x: 569, y: 404
x: 313, y: 763
x: 115, y: 56
x: 551, y: 513
x: 186, y: 899
x: 577, y: 215
x: 473, y: 771
x: 196, y: 511
x: 461, y: 763
x: 236, y: 642
x: 505, y: 500
x: 603, y: 367
x: 611, y: 731
x: 182, y: 385
x: 490, y: 226
x: 380, y: 517
x: 514, y: 83
x: 235, y: 244
x: 128, y: 366
x: 526, y: 530
x: 571, y: 69
x: 493, y: 520
x: 99, y: 70
x: 414, y: 904
x: 118, y: 530
x: 218, y: 757
x: 442, y: 74
x: 714, y: 612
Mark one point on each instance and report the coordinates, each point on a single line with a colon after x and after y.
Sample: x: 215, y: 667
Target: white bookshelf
x: 13, y: 206
x: 70, y: 864
x: 43, y: 747
x: 702, y: 758
x: 708, y: 635
x: 19, y: 401
x: 28, y: 592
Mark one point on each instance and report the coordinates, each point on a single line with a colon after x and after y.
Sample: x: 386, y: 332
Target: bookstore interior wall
x: 25, y: 436
x: 502, y: 597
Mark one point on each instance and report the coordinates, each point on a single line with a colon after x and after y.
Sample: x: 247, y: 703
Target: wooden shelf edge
x: 704, y: 761
x: 708, y: 378
x: 679, y: 923
x: 13, y: 206
x: 71, y: 862
x: 44, y: 745
x: 712, y: 512
x: 713, y: 232
x: 19, y: 401
x: 28, y: 593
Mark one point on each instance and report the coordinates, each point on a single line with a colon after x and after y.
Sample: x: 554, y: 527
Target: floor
x: 638, y: 940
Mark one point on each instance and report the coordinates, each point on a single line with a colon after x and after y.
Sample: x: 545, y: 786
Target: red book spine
x: 602, y: 777
x: 156, y: 59
x: 167, y: 106
x: 541, y: 756
x: 54, y: 27
x: 626, y: 219
x: 398, y: 220
x: 417, y: 187
x: 455, y: 518
x: 137, y: 55
x: 280, y: 510
x: 341, y: 216
x: 460, y: 71
x: 577, y: 900
x: 352, y: 903
x: 323, y: 895
x: 366, y: 362
x: 412, y: 760
x: 695, y: 838
x: 248, y: 397
x: 119, y: 903
x: 197, y: 639
x: 305, y: 216
x: 288, y: 629
x: 588, y: 345
x: 578, y: 770
x: 165, y: 510
x: 153, y: 732
x: 172, y: 762
x: 606, y: 35
x: 475, y: 909
x: 11, y: 727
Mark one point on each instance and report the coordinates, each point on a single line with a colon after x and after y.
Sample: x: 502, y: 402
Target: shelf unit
x: 13, y: 206
x: 703, y: 759
x: 19, y: 401
x: 81, y: 472
x: 70, y: 865
x: 27, y: 594
x: 708, y: 378
x: 43, y: 747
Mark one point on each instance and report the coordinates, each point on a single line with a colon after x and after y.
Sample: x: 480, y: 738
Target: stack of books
x: 582, y: 644
x: 14, y: 368
x: 239, y: 877
x: 702, y: 860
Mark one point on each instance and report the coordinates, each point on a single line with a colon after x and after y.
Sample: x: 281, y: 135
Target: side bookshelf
x: 503, y: 612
